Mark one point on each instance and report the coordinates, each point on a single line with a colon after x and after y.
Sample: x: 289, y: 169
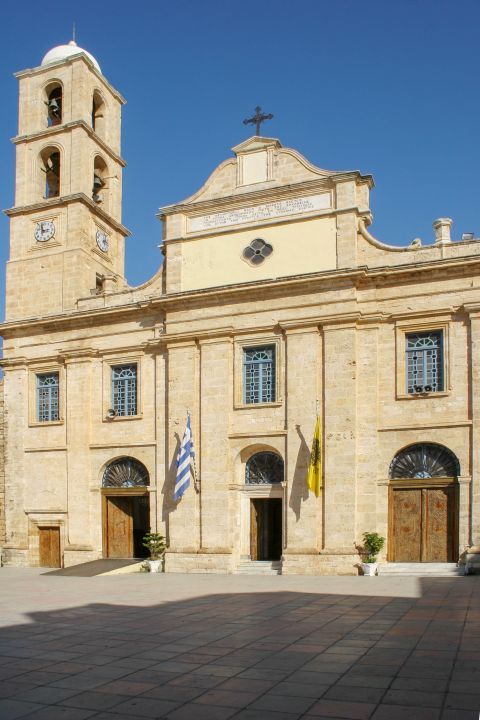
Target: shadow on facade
x: 299, y: 492
x: 168, y: 503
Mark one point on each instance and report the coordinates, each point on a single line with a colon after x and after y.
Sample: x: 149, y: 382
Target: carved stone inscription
x: 260, y: 212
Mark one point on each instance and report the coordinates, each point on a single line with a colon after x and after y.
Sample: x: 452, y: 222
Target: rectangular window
x: 424, y: 362
x: 47, y: 397
x: 124, y: 389
x: 259, y: 374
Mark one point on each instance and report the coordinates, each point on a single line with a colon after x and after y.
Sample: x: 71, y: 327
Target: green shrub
x: 372, y: 544
x: 156, y: 545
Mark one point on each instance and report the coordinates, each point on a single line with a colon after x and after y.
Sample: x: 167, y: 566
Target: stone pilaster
x: 473, y: 557
x: 158, y: 500
x: 303, y: 391
x: 368, y: 515
x: 77, y: 419
x: 340, y: 438
x: 216, y: 400
x: 181, y: 517
x: 346, y: 201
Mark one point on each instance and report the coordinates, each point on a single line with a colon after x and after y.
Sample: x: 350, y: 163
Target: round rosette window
x: 257, y: 251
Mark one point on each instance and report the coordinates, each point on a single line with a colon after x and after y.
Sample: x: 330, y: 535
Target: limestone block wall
x: 2, y: 468
x: 353, y: 366
x: 373, y: 253
x: 15, y: 408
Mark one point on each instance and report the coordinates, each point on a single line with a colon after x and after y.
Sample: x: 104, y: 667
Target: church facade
x: 274, y: 304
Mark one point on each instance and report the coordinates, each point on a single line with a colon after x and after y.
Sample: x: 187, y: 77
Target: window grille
x: 424, y: 460
x: 257, y: 251
x: 259, y: 374
x: 125, y: 472
x: 124, y: 389
x: 424, y: 362
x: 47, y: 397
x: 263, y: 469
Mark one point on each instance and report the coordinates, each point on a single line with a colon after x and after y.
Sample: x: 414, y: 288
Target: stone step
x: 422, y: 569
x: 259, y: 567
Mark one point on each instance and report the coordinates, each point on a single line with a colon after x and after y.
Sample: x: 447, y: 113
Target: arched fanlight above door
x: 264, y: 468
x: 424, y: 460
x: 125, y: 472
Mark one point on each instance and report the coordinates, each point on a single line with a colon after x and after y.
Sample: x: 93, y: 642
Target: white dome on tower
x: 61, y: 52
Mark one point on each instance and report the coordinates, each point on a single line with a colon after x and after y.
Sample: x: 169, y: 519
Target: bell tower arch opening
x: 54, y: 103
x: 50, y: 166
x: 100, y: 174
x: 98, y: 114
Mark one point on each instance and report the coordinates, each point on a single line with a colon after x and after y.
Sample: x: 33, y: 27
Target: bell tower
x: 66, y: 234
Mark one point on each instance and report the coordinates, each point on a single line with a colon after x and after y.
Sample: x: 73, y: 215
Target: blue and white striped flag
x: 185, y: 463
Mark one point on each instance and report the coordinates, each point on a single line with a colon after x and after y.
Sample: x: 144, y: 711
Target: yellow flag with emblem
x: 314, y: 476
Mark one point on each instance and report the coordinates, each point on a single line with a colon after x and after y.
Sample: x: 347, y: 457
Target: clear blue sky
x: 388, y: 88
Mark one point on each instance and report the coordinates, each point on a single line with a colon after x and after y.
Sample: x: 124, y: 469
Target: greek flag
x: 185, y: 462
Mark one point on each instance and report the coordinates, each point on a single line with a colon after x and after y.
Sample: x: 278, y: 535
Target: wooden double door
x: 423, y: 522
x: 266, y: 529
x: 126, y: 519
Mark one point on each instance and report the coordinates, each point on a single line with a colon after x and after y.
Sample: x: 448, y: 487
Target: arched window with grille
x: 424, y: 460
x: 264, y: 468
x: 125, y: 472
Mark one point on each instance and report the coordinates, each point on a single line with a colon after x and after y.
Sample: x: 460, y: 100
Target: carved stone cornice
x: 77, y: 356
x: 78, y: 57
x: 239, y: 292
x: 65, y: 200
x: 60, y: 130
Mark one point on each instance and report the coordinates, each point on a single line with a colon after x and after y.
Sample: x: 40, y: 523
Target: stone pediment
x: 256, y: 143
x: 260, y: 163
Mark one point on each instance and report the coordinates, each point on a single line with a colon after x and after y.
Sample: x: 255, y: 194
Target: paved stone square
x: 212, y: 647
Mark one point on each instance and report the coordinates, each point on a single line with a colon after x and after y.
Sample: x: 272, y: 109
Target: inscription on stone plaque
x: 277, y: 209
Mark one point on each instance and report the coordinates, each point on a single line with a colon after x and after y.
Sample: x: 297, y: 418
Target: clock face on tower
x: 102, y: 241
x: 44, y: 230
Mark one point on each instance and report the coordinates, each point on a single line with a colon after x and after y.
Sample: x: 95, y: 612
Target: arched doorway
x: 423, y: 512
x: 126, y: 508
x: 265, y: 470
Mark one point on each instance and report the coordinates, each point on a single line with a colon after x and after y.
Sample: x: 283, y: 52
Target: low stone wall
x: 198, y: 563
x: 321, y: 564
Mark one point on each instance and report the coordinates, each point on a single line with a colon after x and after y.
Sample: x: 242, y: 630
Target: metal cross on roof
x: 258, y: 118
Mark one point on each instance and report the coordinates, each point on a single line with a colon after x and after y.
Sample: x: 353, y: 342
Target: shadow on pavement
x: 278, y: 655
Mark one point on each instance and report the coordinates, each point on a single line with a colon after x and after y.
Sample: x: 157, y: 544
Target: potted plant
x: 156, y: 545
x: 372, y: 544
